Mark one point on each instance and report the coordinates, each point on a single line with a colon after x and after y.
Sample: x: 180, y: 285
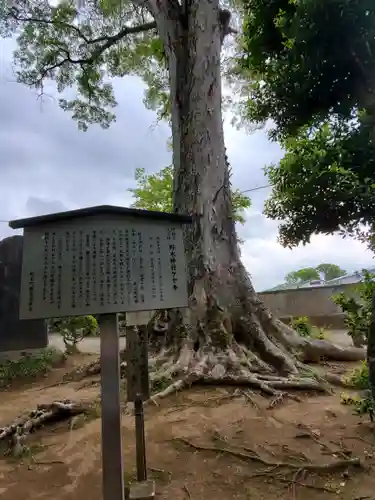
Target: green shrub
x: 358, y: 312
x: 358, y: 378
x: 362, y: 405
x: 362, y: 401
x: 29, y: 366
x: 302, y: 326
x: 73, y: 329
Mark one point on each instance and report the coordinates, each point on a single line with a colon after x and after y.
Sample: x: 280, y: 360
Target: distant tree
x: 155, y: 191
x: 74, y: 329
x: 302, y: 275
x: 330, y: 271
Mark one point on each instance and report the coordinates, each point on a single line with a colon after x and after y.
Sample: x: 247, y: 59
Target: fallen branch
x: 16, y: 433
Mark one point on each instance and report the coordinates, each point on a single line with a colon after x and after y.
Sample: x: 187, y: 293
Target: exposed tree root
x: 314, y: 350
x: 229, y: 367
x: 279, y: 399
x: 256, y: 351
x: 15, y: 434
x: 294, y: 482
x: 91, y: 369
x: 260, y: 352
x: 251, y: 455
x: 268, y: 387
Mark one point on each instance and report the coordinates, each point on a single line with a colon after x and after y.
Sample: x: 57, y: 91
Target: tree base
x: 226, y: 368
x: 271, y: 362
x: 271, y: 359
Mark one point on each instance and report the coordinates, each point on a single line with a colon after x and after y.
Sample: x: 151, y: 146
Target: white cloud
x: 268, y: 262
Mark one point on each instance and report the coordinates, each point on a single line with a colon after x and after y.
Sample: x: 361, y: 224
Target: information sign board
x: 102, y: 264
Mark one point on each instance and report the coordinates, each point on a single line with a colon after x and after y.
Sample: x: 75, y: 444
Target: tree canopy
x: 83, y: 49
x: 307, y: 60
x: 154, y: 192
x: 310, y: 66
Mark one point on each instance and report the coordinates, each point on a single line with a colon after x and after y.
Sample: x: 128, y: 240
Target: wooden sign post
x: 103, y: 261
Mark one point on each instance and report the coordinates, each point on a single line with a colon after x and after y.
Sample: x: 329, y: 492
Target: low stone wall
x: 315, y: 303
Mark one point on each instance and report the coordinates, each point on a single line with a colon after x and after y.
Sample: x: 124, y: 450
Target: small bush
x: 29, y: 366
x: 73, y: 329
x: 362, y: 405
x: 358, y: 312
x: 361, y: 402
x: 302, y: 326
x: 358, y: 378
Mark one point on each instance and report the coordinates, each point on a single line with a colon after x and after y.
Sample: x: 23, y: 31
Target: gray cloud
x: 46, y: 163
x: 40, y: 206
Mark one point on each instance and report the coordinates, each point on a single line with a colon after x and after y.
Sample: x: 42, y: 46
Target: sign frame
x: 102, y: 260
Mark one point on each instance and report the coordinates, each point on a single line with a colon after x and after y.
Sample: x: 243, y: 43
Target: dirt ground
x: 247, y: 446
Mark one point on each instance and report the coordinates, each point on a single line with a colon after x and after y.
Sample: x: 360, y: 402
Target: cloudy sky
x: 47, y: 165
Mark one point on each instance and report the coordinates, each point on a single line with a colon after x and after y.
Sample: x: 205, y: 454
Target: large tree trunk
x: 230, y: 332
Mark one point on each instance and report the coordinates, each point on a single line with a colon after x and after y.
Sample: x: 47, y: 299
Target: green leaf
x: 155, y: 192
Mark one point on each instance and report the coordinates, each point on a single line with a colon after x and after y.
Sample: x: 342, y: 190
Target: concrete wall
x: 315, y: 303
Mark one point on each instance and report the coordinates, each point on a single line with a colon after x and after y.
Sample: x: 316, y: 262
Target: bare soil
x: 250, y: 442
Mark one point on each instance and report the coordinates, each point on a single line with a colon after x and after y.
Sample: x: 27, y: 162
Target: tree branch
x: 168, y: 16
x: 112, y: 40
x: 109, y: 40
x: 225, y: 28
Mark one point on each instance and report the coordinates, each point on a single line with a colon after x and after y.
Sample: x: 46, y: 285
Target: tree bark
x: 229, y: 329
x: 202, y: 185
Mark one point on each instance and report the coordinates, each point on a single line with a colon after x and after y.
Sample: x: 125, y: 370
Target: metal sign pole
x: 140, y: 440
x: 112, y: 460
x: 139, y: 391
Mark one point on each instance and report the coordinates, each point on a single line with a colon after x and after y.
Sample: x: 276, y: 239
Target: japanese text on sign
x: 88, y: 267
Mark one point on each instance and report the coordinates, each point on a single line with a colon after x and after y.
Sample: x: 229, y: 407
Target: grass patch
x: 29, y: 366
